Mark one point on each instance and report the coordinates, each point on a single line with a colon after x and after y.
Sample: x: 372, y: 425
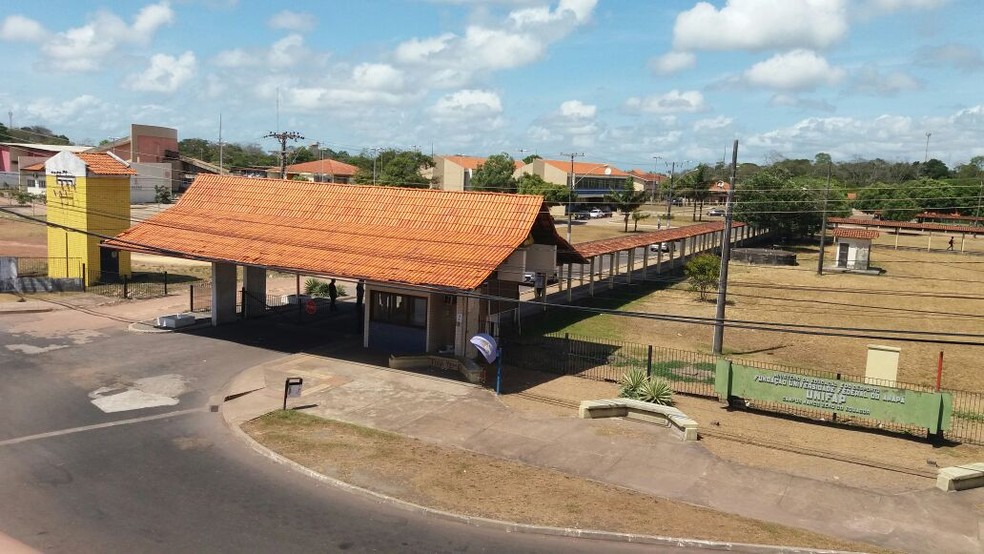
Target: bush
x: 314, y: 287
x: 635, y: 384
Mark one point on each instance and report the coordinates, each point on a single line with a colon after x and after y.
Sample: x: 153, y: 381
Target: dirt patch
x: 463, y: 482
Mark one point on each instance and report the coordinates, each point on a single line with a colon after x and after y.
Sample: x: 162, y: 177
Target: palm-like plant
x: 631, y: 382
x: 656, y: 391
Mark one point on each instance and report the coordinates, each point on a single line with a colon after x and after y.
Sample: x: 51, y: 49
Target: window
x: 398, y: 309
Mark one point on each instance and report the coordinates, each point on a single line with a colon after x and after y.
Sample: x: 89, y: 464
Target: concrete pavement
x: 449, y: 412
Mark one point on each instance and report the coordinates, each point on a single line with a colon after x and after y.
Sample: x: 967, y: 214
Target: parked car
x: 595, y: 213
x: 715, y: 211
x: 661, y: 247
x: 582, y: 215
x: 529, y: 278
x: 605, y: 212
x: 678, y: 201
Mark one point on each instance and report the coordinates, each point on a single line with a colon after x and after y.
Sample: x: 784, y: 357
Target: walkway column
x: 591, y: 278
x: 570, y: 281
x: 254, y: 282
x: 611, y: 270
x: 645, y: 263
x: 223, y: 293
x: 628, y: 272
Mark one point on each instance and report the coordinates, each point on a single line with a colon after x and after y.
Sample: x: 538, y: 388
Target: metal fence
x: 139, y: 285
x: 693, y: 373
x: 30, y: 266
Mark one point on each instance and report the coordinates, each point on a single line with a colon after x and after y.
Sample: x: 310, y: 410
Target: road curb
x: 514, y: 527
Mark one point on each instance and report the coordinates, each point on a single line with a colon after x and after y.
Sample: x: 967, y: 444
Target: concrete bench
x: 667, y: 416
x: 469, y: 369
x: 958, y: 478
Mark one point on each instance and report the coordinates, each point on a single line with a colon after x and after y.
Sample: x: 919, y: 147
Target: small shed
x: 853, y: 247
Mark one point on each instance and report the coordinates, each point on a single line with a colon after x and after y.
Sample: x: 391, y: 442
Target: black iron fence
x: 693, y: 373
x: 138, y: 285
x: 32, y: 266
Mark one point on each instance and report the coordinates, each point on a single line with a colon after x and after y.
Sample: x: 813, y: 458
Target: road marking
x: 84, y: 428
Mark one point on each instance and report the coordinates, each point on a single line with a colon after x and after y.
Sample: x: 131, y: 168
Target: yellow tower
x: 88, y: 199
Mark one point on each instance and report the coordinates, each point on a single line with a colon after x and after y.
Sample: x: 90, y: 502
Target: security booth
x: 853, y: 248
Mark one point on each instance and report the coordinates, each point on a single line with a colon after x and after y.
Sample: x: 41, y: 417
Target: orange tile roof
x: 101, y: 163
x: 383, y: 234
x: 323, y: 167
x: 635, y: 240
x: 34, y: 167
x: 854, y: 233
x: 886, y: 224
x: 587, y: 168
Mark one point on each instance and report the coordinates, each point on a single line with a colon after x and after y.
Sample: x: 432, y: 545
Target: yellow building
x: 88, y: 200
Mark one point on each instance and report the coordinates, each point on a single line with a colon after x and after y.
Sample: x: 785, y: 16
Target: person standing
x: 360, y: 293
x: 332, y: 295
x: 950, y: 244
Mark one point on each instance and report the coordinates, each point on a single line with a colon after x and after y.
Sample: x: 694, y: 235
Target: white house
x: 853, y: 247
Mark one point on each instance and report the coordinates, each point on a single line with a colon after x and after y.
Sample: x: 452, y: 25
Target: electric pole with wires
x: 283, y: 137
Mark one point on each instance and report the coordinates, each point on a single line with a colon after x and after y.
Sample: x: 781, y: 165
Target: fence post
x: 165, y: 283
x: 567, y: 360
x: 125, y: 288
x: 649, y: 362
x: 242, y: 294
x: 191, y: 298
x: 83, y: 277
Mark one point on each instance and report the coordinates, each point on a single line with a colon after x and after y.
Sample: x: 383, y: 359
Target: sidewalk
x: 446, y: 412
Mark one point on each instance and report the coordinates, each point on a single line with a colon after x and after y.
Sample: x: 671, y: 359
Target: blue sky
x: 634, y: 83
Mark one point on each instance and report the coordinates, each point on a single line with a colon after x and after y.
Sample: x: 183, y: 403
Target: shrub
x: 314, y: 287
x: 631, y: 381
x: 635, y: 384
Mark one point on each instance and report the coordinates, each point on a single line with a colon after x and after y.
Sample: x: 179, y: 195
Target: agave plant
x: 656, y: 391
x: 630, y: 383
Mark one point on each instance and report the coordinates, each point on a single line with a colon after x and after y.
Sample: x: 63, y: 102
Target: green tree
x: 162, y: 194
x: 301, y: 155
x: 694, y: 186
x: 773, y: 199
x: 638, y: 216
x: 398, y: 168
x: 529, y: 159
x: 495, y: 174
x: 934, y: 169
x: 702, y: 273
x: 627, y: 200
x: 529, y: 183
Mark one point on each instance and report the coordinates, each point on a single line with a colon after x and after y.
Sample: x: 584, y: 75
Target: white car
x: 661, y: 247
x: 596, y: 213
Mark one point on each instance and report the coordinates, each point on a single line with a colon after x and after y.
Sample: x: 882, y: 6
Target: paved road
x: 171, y: 477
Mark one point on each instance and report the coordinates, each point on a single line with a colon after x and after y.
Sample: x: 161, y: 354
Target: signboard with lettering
x: 932, y: 410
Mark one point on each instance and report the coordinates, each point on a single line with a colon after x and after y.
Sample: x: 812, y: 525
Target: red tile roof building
x: 383, y: 234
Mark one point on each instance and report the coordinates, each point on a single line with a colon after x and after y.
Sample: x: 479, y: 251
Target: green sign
x: 931, y: 410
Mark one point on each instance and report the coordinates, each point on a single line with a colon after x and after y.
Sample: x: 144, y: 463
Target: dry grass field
x: 935, y: 292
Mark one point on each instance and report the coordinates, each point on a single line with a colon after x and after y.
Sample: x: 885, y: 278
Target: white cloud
x: 452, y: 60
x: 868, y: 80
x: 675, y: 101
x: 46, y: 109
x: 671, y: 62
x: 377, y: 76
x: 960, y: 56
x: 576, y: 109
x: 85, y: 48
x: 235, y: 58
x: 165, y: 73
x: 287, y: 52
x: 761, y: 25
x: 292, y: 21
x: 712, y: 124
x: 468, y: 106
x: 796, y: 70
x: 896, y: 5
x: 153, y: 17
x: 20, y: 28
x: 794, y: 101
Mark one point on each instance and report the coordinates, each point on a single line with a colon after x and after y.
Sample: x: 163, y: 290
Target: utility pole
x: 926, y: 159
x: 283, y: 137
x: 722, y: 296
x: 570, y: 191
x: 823, y: 221
x: 669, y: 195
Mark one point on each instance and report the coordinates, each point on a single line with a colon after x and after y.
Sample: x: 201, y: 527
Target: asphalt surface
x: 174, y: 478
